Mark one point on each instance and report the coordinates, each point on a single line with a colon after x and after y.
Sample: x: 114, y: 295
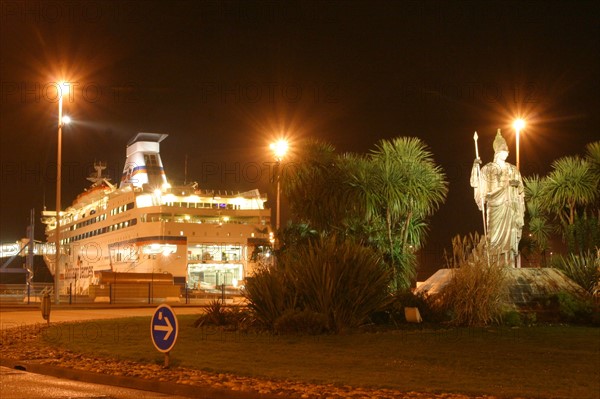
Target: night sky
x: 224, y: 79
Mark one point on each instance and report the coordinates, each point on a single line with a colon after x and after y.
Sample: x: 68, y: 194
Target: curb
x: 171, y: 388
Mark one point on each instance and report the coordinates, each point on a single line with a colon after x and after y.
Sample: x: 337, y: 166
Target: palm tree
x: 593, y: 156
x: 538, y: 220
x: 382, y: 200
x: 401, y: 186
x: 568, y: 192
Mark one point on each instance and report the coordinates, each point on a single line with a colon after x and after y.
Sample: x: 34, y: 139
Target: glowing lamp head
x: 66, y: 120
x: 63, y: 88
x: 519, y: 124
x: 279, y: 148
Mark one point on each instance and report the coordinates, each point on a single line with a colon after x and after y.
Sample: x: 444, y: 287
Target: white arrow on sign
x: 168, y: 328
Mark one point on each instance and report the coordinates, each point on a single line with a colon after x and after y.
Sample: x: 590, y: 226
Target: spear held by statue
x: 481, y: 193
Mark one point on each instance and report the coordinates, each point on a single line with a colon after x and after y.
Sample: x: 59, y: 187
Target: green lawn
x: 538, y: 362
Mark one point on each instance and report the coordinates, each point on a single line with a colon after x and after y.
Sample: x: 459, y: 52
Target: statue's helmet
x: 500, y: 143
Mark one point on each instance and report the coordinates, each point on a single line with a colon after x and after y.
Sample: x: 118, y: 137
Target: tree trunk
x: 388, y: 221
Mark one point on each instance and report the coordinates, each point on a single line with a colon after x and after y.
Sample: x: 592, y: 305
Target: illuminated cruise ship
x: 203, y: 238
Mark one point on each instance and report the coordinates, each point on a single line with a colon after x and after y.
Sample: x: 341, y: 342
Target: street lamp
x: 62, y: 88
x: 279, y: 148
x: 518, y: 124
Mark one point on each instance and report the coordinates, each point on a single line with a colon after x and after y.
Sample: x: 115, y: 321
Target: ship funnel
x: 143, y: 165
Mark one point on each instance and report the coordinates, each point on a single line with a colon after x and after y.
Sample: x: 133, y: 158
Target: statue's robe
x: 504, y: 204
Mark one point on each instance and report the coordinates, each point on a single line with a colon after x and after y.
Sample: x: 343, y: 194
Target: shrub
x: 477, y: 293
x: 512, y: 318
x: 301, y: 322
x: 573, y: 309
x: 402, y: 299
x: 339, y: 279
x: 330, y: 277
x: 269, y: 296
x: 219, y: 315
x: 583, y: 269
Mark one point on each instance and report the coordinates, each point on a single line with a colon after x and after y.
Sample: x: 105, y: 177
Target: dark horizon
x: 224, y: 79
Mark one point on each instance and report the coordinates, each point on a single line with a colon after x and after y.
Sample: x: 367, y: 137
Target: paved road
x: 18, y: 318
x: 16, y: 384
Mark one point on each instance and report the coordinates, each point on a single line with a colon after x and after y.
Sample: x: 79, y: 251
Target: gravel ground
x: 22, y: 344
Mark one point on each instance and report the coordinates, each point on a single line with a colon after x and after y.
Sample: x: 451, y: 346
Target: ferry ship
x: 203, y: 238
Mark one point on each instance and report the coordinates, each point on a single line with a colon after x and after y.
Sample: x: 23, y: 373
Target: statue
x: 499, y: 194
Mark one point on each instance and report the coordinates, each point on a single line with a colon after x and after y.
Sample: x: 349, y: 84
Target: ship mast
x: 98, y: 178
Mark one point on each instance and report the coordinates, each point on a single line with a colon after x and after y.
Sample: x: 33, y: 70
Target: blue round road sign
x: 164, y: 328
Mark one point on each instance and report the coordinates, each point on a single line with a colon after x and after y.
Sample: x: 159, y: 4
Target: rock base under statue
x: 527, y: 287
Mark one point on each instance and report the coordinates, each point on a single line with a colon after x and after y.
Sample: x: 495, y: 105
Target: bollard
x: 46, y: 305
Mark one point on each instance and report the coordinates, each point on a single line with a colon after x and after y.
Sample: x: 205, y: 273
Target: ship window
x: 150, y: 160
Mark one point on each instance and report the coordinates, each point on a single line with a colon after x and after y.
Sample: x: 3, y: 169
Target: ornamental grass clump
x: 584, y: 269
x: 269, y: 295
x: 341, y: 280
x: 227, y: 317
x: 477, y: 294
x: 329, y: 285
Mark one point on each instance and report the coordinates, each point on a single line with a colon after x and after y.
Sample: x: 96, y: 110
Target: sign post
x: 46, y: 307
x: 163, y: 330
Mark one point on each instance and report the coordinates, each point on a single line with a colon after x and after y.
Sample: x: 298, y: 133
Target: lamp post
x: 518, y: 124
x: 279, y: 148
x: 62, y: 88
